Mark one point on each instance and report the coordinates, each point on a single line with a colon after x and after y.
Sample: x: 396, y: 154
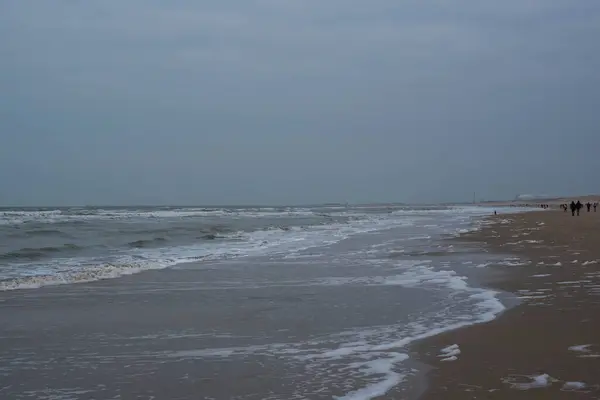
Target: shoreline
x: 169, y: 313
x: 524, y: 352
x: 198, y: 328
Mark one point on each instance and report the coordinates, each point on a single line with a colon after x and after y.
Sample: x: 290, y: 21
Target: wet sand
x: 148, y: 336
x: 548, y: 347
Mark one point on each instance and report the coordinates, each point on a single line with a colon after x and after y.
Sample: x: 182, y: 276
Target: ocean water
x: 40, y: 247
x: 324, y: 300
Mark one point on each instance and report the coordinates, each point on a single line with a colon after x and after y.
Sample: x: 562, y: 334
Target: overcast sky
x: 297, y: 101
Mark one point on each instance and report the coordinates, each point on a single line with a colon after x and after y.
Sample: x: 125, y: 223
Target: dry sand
x: 559, y: 287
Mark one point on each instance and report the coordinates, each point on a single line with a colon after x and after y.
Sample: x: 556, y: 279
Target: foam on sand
x: 513, y: 262
x: 590, y: 262
x: 585, y: 351
x: 573, y: 386
x: 574, y: 282
x: 450, y: 353
x: 527, y: 382
x: 582, y: 348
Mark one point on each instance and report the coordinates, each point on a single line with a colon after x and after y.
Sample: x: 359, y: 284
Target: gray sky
x: 297, y: 101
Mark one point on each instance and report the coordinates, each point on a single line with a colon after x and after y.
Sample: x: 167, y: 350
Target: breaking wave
x: 88, y: 274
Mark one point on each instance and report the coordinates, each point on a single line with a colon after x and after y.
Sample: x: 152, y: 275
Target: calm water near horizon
x: 231, y: 303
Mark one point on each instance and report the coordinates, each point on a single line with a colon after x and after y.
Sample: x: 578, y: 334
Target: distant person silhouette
x: 578, y: 206
x: 595, y: 205
x: 573, y: 208
x: 588, y: 205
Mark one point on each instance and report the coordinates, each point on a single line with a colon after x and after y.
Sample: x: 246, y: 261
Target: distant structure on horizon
x: 525, y: 197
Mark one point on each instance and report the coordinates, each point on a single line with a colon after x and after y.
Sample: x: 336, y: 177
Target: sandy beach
x: 548, y: 347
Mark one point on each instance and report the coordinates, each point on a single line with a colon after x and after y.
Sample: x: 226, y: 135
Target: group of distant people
x: 530, y: 205
x: 576, y: 207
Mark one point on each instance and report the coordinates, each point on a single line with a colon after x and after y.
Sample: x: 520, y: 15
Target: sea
x: 312, y: 302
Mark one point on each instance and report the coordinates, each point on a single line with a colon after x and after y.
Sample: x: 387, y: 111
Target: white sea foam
x: 512, y: 263
x: 58, y: 394
x: 574, y: 282
x: 581, y: 348
x: 419, y: 274
x: 527, y: 382
x: 524, y: 241
x: 449, y: 353
x: 573, y: 386
x: 381, y: 366
x: 83, y: 275
x: 451, y: 358
x: 70, y: 215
